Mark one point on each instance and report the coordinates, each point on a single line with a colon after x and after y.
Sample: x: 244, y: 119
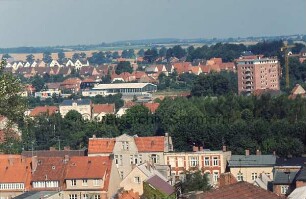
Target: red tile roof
x: 150, y: 144
x: 50, y: 168
x: 50, y: 110
x: 104, y: 108
x: 151, y: 106
x: 101, y: 145
x: 182, y: 67
x: 128, y: 195
x: 240, y: 190
x: 14, y: 169
x: 88, y: 167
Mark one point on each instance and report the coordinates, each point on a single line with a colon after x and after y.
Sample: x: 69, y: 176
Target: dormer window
x: 125, y: 146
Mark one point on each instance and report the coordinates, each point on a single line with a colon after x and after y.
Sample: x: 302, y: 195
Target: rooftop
x: 122, y: 85
x: 78, y: 102
x: 252, y: 160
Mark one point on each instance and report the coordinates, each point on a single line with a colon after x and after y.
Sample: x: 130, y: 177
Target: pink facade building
x: 258, y: 73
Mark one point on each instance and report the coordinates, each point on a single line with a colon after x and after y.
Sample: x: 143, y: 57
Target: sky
x: 72, y: 22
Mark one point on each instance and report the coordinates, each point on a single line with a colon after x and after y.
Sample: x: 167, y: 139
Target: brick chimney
x: 247, y: 152
x: 34, y: 163
x: 52, y: 149
x: 258, y: 152
x: 224, y: 148
x: 66, y: 148
x: 195, y: 148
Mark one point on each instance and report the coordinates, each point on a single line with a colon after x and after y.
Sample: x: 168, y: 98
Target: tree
x: 47, y: 57
x: 98, y: 58
x: 38, y: 83
x: 129, y: 54
x: 141, y: 52
x: 30, y: 58
x: 75, y: 56
x: 150, y: 55
x: 12, y: 105
x: 61, y: 57
x: 115, y: 55
x: 124, y: 66
x: 195, y: 182
x: 162, y: 52
x: 6, y: 56
x: 212, y: 84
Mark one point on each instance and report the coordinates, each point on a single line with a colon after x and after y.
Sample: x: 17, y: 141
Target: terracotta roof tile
x: 88, y: 167
x: 15, y: 168
x: 104, y: 108
x: 150, y: 144
x: 152, y: 106
x: 50, y: 110
x: 240, y: 190
x: 101, y: 145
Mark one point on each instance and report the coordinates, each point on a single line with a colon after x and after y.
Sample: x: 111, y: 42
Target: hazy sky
x: 65, y: 22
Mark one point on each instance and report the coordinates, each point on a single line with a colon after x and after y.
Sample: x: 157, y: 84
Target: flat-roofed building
x: 258, y: 73
x: 138, y: 89
x: 83, y: 106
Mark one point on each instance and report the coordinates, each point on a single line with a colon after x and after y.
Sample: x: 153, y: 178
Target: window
x: 239, y: 176
x: 172, y: 161
x: 284, y: 189
x: 125, y: 146
x: 85, y: 182
x: 97, y: 197
x: 73, y: 182
x: 116, y: 160
x: 215, y: 176
x: 215, y: 161
x: 131, y: 159
x: 206, y: 161
x: 85, y: 196
x: 254, y: 176
x: 193, y: 161
x: 73, y: 196
x: 120, y: 160
x: 97, y: 182
x: 180, y: 162
x: 155, y: 158
x: 121, y: 174
x: 137, y: 179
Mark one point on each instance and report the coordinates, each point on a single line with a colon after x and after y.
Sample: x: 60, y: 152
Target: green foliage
x: 128, y: 54
x: 47, y: 57
x: 124, y: 66
x: 98, y: 58
x: 38, y: 83
x: 61, y: 57
x: 212, y: 84
x: 150, y: 55
x: 176, y: 51
x: 6, y: 56
x: 196, y: 182
x: 30, y: 58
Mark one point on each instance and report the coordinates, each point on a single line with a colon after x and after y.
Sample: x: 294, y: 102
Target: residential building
x: 239, y: 190
x: 212, y: 163
x: 47, y: 94
x: 135, y: 179
x: 286, y: 172
x: 298, y: 90
x: 155, y: 186
x: 83, y: 106
x: 71, y: 85
x: 248, y: 167
x: 43, y: 110
x: 129, y: 151
x: 91, y: 177
x: 100, y: 110
x: 48, y: 173
x: 41, y: 194
x: 15, y: 175
x: 258, y: 74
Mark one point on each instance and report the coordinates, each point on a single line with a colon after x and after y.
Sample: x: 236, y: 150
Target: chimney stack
x: 247, y: 152
x: 195, y: 148
x: 201, y: 148
x: 66, y: 148
x: 224, y: 148
x: 52, y: 149
x: 274, y: 153
x: 34, y: 163
x: 94, y: 136
x: 258, y: 152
